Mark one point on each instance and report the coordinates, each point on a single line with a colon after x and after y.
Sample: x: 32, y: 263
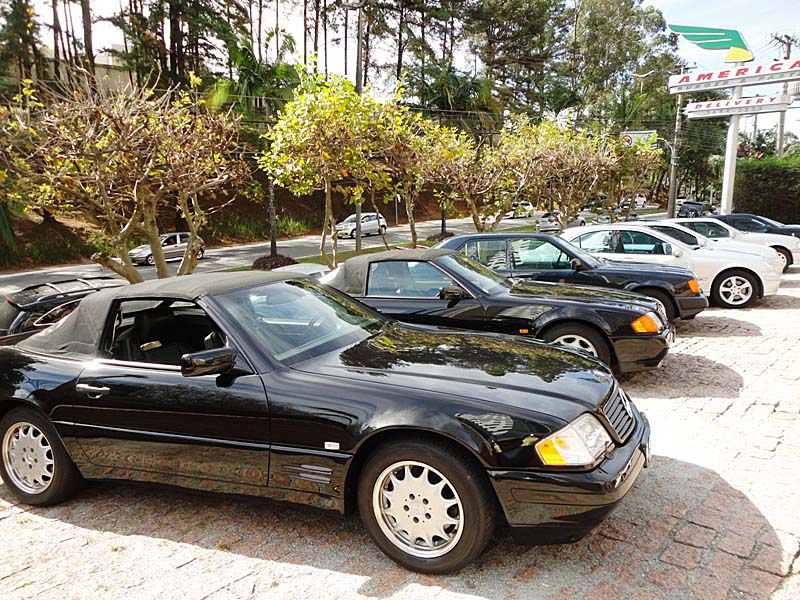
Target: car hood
x: 491, y: 368
x: 560, y: 292
x: 790, y: 229
x: 140, y: 249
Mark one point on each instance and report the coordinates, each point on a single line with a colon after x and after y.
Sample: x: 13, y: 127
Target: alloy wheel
x: 28, y: 458
x: 418, y: 509
x: 576, y: 341
x: 735, y: 290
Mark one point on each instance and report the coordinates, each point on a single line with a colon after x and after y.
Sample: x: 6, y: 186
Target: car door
x: 138, y: 417
x: 492, y: 253
x: 370, y: 226
x: 409, y: 291
x: 169, y: 245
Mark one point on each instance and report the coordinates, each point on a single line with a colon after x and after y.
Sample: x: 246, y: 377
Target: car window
x: 491, y: 253
x: 710, y: 230
x: 638, y: 242
x: 749, y: 224
x: 184, y: 238
x: 56, y: 314
x: 158, y: 331
x: 298, y: 320
x: 538, y: 254
x: 674, y: 232
x: 406, y: 279
x: 598, y: 241
x: 475, y: 273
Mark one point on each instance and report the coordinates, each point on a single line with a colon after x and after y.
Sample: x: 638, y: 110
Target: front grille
x: 619, y: 413
x: 662, y: 312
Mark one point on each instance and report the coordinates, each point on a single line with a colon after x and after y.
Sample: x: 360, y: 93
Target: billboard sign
x: 737, y: 106
x: 740, y: 75
x: 717, y: 38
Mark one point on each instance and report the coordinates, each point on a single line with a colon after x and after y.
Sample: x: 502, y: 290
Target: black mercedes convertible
x: 628, y: 331
x: 278, y: 386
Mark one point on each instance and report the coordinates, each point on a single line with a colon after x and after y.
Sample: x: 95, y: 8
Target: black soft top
x: 351, y: 276
x: 78, y: 334
x: 42, y: 292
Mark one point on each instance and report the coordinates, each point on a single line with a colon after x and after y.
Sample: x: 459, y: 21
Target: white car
x: 786, y: 246
x: 520, y: 210
x: 693, y: 239
x: 730, y: 279
x: 371, y: 224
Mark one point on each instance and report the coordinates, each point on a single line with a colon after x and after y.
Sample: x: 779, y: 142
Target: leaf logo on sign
x: 716, y: 38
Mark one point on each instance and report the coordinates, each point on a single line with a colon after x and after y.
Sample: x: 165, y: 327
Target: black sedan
x: 548, y: 258
x: 628, y: 331
x: 756, y: 224
x: 273, y: 386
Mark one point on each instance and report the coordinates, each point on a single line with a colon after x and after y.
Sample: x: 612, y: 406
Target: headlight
x: 647, y: 323
x: 578, y: 444
x: 694, y: 286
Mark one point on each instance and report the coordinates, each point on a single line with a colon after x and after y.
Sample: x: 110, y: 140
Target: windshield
x: 481, y: 277
x: 298, y: 320
x: 350, y: 219
x: 772, y: 222
x: 586, y: 258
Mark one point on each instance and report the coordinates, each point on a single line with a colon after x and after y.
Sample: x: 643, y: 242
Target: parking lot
x: 716, y: 515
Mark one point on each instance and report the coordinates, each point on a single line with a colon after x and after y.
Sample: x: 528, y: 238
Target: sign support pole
x: 673, y: 159
x: 731, y: 149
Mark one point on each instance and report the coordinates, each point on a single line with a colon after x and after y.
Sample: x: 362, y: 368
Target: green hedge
x: 769, y: 187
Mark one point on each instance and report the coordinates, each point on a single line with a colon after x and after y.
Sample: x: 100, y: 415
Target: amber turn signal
x: 645, y: 324
x: 694, y: 286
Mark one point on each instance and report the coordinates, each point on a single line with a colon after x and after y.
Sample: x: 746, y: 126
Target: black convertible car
x: 628, y: 331
x: 548, y: 258
x: 268, y: 385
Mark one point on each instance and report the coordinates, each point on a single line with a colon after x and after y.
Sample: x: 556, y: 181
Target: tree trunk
x: 152, y: 236
x: 189, y: 260
x: 56, y: 35
x: 444, y: 220
x: 325, y: 34
x: 123, y: 269
x: 325, y: 219
x: 377, y: 212
x: 86, y: 18
x: 409, y: 202
x: 273, y: 223
x: 305, y: 33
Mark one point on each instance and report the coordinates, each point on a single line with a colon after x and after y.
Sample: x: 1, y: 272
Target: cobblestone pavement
x: 716, y: 516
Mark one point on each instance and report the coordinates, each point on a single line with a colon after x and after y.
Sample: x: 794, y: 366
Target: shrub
x: 438, y: 237
x: 769, y: 187
x: 267, y: 263
x: 289, y: 226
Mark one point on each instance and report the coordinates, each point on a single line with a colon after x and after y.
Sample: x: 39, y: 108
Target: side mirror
x: 208, y: 362
x: 676, y: 252
x: 452, y: 294
x: 577, y: 264
x: 701, y: 242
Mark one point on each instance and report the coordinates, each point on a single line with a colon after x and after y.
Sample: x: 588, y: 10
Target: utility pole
x: 786, y: 41
x: 731, y: 148
x: 359, y: 90
x: 673, y: 162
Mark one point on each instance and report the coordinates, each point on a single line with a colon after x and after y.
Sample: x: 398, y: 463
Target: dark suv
x: 549, y: 258
x: 39, y: 306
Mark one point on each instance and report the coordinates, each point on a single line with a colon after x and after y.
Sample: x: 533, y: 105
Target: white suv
x: 371, y: 224
x: 730, y: 279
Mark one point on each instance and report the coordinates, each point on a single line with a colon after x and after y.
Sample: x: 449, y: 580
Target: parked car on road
x: 39, y: 306
x: 730, y: 279
x: 371, y: 224
x: 173, y: 245
x: 549, y: 222
x: 788, y: 247
x: 756, y: 224
x: 692, y: 208
x: 547, y: 258
x: 266, y: 384
x: 520, y: 210
x: 626, y: 330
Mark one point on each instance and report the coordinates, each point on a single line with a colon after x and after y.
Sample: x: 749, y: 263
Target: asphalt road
x: 237, y: 256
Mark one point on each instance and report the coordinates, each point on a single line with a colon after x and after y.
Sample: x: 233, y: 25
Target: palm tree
x: 260, y: 89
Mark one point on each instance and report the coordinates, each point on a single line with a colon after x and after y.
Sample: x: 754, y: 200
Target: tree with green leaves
x: 19, y: 39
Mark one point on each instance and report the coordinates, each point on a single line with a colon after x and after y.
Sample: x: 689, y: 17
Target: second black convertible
x: 277, y: 386
x: 626, y: 330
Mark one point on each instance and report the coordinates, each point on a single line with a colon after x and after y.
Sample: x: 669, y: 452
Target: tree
x: 121, y: 160
x: 324, y: 136
x: 19, y: 38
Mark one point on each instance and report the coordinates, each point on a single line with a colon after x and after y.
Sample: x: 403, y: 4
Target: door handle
x: 91, y: 390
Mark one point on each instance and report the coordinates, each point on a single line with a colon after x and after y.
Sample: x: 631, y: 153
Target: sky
x: 756, y: 19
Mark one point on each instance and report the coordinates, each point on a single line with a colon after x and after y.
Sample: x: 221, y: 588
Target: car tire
x: 201, y: 253
x: 28, y: 439
x: 383, y: 229
x: 734, y: 289
x: 787, y: 257
x: 353, y: 234
x: 665, y: 299
x: 578, y: 336
x: 150, y: 261
x: 464, y: 508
